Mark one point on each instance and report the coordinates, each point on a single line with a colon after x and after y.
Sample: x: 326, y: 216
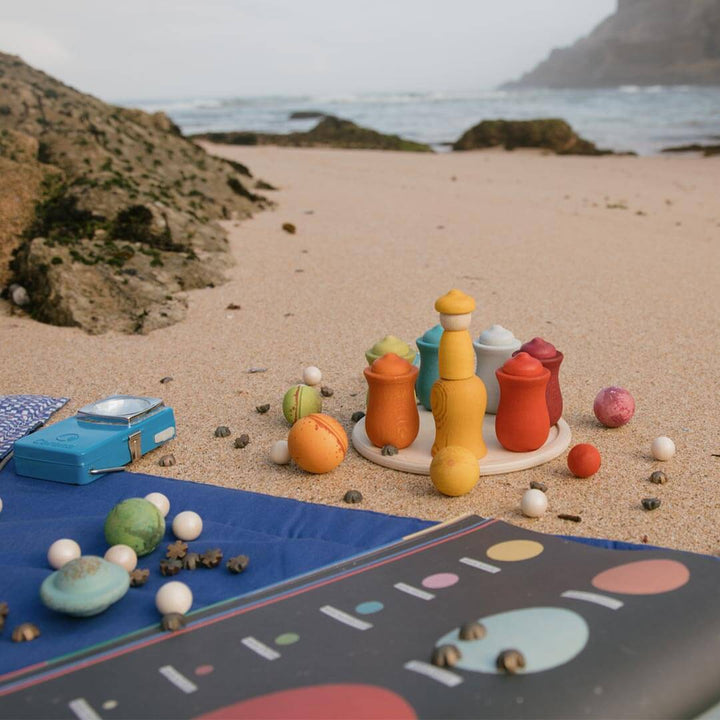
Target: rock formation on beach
x: 548, y: 134
x: 646, y: 42
x: 329, y: 132
x: 109, y: 213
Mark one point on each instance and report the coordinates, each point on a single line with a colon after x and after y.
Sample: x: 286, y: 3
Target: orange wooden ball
x: 317, y: 443
x: 584, y: 460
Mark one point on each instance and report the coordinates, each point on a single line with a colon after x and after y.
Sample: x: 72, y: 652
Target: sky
x: 165, y: 49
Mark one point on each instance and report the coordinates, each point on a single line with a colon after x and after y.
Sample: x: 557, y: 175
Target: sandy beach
x: 614, y: 260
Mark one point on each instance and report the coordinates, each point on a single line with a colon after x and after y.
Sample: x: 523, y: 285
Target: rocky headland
x: 331, y: 132
x: 645, y: 42
x: 107, y: 215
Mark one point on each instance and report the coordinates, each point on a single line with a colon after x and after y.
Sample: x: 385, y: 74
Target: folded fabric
x: 21, y: 414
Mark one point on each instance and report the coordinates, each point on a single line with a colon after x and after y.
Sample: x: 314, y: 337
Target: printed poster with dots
x: 470, y: 619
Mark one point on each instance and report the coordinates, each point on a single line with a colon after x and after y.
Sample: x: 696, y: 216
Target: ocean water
x: 641, y: 119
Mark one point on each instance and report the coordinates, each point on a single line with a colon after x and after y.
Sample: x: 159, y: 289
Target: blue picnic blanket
x: 21, y: 414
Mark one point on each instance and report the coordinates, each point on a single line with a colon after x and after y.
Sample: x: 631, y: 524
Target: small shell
x: 446, y: 656
x: 242, y: 441
x: 237, y: 564
x: 325, y: 391
x: 353, y: 496
x: 222, y: 431
x: 262, y: 409
x: 357, y: 416
x: 389, y: 450
x: 25, y: 632
x: 510, y: 661
x: 167, y: 460
x: 173, y: 622
x: 537, y: 485
x: 472, y: 631
x: 658, y: 477
x: 651, y: 503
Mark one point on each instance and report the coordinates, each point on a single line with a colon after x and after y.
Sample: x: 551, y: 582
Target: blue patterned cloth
x: 21, y: 414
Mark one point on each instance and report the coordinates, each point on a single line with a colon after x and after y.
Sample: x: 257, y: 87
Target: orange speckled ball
x: 584, y: 460
x: 317, y: 443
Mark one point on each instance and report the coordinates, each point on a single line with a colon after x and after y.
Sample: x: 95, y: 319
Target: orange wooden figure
x: 458, y: 398
x: 392, y: 415
x: 522, y: 423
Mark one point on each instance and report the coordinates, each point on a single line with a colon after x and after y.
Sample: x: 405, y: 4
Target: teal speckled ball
x: 135, y: 522
x: 299, y: 401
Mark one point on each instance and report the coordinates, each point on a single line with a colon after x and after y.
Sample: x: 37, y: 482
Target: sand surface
x: 616, y: 261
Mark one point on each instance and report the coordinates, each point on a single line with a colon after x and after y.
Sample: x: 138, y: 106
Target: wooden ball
x: 584, y: 460
x: 454, y: 470
x: 122, y: 555
x: 173, y: 597
x: 317, y: 443
x: 187, y: 525
x: 62, y: 551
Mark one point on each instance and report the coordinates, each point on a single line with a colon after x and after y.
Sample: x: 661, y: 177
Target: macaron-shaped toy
x: 317, y: 443
x: 583, y: 460
x: 299, y: 401
x: 614, y: 406
x: 454, y: 470
x: 135, y: 522
x: 85, y: 586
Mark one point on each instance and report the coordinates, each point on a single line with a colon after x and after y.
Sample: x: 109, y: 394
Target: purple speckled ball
x: 614, y: 406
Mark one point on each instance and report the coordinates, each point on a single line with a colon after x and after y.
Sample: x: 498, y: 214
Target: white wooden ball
x: 663, y: 448
x: 312, y: 375
x: 173, y: 597
x: 63, y: 551
x: 187, y: 525
x: 160, y: 501
x: 280, y: 453
x: 122, y: 555
x: 534, y: 503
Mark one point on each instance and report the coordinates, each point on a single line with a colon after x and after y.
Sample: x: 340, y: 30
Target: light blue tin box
x: 101, y: 438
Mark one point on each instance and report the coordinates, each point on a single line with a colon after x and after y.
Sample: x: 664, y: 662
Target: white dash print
x: 479, y: 565
x: 345, y: 618
x: 596, y: 598
x: 82, y: 709
x: 415, y: 592
x: 260, y: 648
x: 450, y: 679
x: 177, y: 679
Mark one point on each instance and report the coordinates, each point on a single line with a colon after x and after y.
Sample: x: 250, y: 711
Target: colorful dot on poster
x: 202, y: 670
x: 287, y: 638
x: 514, y: 550
x: 644, y: 577
x: 109, y: 704
x: 369, y: 607
x: 440, y: 580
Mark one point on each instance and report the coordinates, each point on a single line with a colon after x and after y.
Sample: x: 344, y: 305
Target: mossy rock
x: 135, y: 522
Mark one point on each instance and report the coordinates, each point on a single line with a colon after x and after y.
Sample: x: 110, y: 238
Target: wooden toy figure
x: 458, y: 398
x: 429, y: 346
x: 392, y: 415
x: 522, y: 423
x: 551, y: 358
x: 494, y: 346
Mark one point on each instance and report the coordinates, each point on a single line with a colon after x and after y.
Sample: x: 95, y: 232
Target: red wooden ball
x: 583, y: 460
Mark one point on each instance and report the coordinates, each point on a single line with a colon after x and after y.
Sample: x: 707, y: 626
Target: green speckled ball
x: 299, y: 401
x: 135, y: 522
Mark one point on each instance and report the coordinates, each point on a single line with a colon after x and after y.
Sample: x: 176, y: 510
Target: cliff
x: 646, y: 42
x: 108, y: 213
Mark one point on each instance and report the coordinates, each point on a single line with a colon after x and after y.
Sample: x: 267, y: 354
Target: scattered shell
x: 262, y: 409
x: 651, y: 503
x: 4, y: 610
x: 173, y: 622
x: 166, y: 379
x: 289, y: 228
x: 510, y: 661
x: 177, y: 550
x: 472, y: 631
x: 139, y: 576
x: 233, y: 306
x: 170, y: 567
x: 167, y: 460
x: 389, y: 450
x: 237, y: 564
x: 242, y: 441
x: 191, y: 561
x: 325, y: 391
x: 644, y: 539
x: 537, y: 485
x: 658, y: 477
x: 211, y: 558
x: 446, y: 656
x: 222, y: 431
x: 357, y: 416
x: 253, y: 370
x: 25, y: 632
x: 571, y: 518
x: 353, y: 496
x: 19, y: 295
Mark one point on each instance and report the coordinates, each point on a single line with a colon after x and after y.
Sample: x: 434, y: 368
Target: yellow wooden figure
x: 458, y: 399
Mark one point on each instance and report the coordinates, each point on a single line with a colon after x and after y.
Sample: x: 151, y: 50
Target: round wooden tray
x: 416, y: 458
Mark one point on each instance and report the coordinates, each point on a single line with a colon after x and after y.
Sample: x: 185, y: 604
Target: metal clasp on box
x: 135, y: 447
